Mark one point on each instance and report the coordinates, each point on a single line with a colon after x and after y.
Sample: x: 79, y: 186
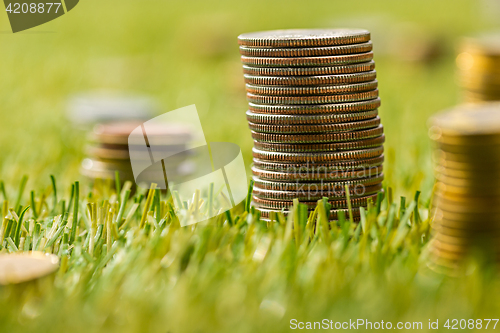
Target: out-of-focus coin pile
x: 467, y: 198
x: 479, y: 68
x: 109, y: 147
x: 96, y: 107
x: 313, y: 103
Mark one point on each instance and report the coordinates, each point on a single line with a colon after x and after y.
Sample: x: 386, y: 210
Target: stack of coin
x: 467, y: 197
x: 109, y: 146
x: 479, y: 68
x: 99, y: 107
x: 313, y: 116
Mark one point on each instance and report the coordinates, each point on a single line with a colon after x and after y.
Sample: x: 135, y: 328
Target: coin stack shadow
x: 109, y: 146
x: 313, y: 116
x: 467, y: 197
x: 478, y: 62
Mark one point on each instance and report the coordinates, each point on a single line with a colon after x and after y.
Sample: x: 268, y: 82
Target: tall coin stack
x: 109, y: 146
x: 467, y: 199
x: 479, y: 68
x: 313, y: 116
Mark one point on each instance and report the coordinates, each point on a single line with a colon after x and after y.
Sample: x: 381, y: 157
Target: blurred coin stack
x: 108, y: 150
x: 313, y: 103
x: 478, y: 62
x: 467, y: 198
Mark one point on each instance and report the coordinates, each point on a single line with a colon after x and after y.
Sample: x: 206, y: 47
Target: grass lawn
x: 236, y: 273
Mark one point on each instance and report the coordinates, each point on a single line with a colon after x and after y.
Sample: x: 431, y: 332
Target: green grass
x: 127, y: 265
x: 236, y: 274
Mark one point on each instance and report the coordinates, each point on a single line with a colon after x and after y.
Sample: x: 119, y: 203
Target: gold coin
x: 456, y: 253
x: 481, y: 85
x: 458, y: 241
x: 440, y: 269
x: 463, y: 166
x: 445, y: 254
x: 473, y: 148
x: 22, y: 267
x: 478, y: 160
x: 470, y: 208
x: 467, y: 201
x: 467, y: 174
x: 299, y: 71
x: 458, y: 193
x: 467, y: 121
x: 312, y: 90
x: 466, y: 228
x: 453, y: 248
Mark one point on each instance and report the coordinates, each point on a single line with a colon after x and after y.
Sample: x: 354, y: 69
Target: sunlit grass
x: 128, y: 265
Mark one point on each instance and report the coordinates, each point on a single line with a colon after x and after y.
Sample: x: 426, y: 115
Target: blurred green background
x: 186, y: 52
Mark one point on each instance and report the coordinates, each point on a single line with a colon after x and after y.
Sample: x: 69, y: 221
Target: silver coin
x: 304, y: 37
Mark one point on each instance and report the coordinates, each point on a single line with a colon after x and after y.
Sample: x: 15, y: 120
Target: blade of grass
x: 416, y: 214
x: 32, y: 198
x: 147, y: 205
x: 323, y: 220
x: 121, y: 211
x: 228, y: 217
x: 118, y: 186
x: 59, y: 231
x: 19, y: 224
x: 158, y: 206
x: 349, y: 204
x: 54, y: 193
x: 75, y: 213
x: 22, y: 185
x: 249, y: 196
x: 403, y: 227
x: 2, y: 189
x: 380, y: 198
x: 11, y: 244
x: 130, y: 215
x: 5, y: 209
x: 402, y: 207
x: 70, y: 203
